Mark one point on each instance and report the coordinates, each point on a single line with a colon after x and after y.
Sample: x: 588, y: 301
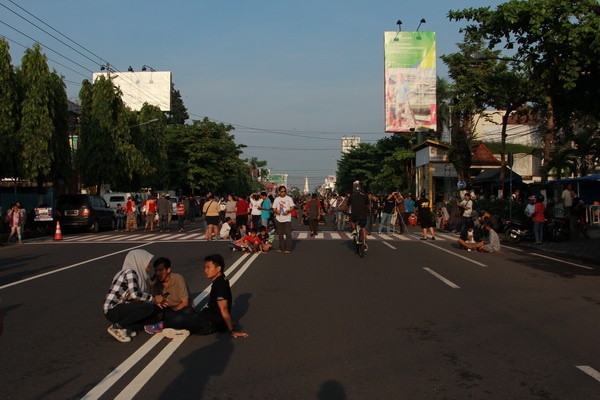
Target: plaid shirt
x: 125, y: 289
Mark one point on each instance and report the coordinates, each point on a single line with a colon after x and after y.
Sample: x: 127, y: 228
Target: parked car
x: 113, y: 199
x: 84, y: 211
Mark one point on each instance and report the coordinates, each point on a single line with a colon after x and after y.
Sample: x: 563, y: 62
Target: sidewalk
x: 584, y: 250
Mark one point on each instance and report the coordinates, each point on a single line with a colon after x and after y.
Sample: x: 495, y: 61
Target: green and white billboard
x: 410, y: 81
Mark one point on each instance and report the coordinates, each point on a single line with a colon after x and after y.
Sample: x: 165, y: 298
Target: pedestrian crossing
x: 144, y: 237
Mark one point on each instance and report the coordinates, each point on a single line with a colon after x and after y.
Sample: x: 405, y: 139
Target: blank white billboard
x: 152, y: 87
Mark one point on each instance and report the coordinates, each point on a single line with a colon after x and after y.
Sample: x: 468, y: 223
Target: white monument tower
x: 306, y: 191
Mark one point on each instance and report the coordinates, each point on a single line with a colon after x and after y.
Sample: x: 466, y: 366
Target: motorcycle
x: 555, y: 229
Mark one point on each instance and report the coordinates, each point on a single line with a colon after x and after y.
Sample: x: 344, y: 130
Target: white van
x: 112, y: 199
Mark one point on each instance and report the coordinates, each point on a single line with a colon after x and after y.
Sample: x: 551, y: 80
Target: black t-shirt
x: 388, y: 205
x: 358, y: 202
x: 219, y: 290
x: 423, y: 206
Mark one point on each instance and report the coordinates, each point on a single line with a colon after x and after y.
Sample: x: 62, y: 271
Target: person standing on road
x: 342, y: 209
x: 283, y: 207
x: 567, y: 198
x: 373, y: 211
x: 150, y: 213
x: 255, y: 209
x: 181, y: 213
x: 15, y: 217
x: 313, y: 211
x: 241, y: 212
x: 538, y: 217
x: 467, y: 211
x: 130, y: 210
x: 163, y: 207
x: 389, y: 205
x: 129, y: 305
x: 265, y: 210
x: 425, y: 215
x: 211, y: 215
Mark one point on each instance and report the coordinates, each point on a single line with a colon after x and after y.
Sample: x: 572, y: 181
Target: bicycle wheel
x: 361, y: 244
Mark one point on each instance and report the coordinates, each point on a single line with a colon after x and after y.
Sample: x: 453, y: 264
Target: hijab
x: 138, y: 260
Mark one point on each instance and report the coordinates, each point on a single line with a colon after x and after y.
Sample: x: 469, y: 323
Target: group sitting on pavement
x: 161, y: 304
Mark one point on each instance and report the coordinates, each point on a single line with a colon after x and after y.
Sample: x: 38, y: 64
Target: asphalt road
x: 410, y: 320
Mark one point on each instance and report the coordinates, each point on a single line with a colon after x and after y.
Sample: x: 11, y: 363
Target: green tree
x: 178, y: 114
x: 557, y: 43
x: 62, y: 165
x: 37, y: 127
x: 204, y: 156
x: 10, y: 145
x: 360, y: 163
x: 106, y: 152
x: 149, y: 136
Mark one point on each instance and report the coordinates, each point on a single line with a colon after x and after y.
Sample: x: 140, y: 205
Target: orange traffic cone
x: 57, y: 233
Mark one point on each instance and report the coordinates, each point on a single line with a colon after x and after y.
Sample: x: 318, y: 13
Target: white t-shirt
x: 225, y: 230
x: 255, y: 206
x: 283, y: 204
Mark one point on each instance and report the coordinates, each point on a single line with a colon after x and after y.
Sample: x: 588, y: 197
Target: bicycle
x: 359, y: 241
x: 583, y: 228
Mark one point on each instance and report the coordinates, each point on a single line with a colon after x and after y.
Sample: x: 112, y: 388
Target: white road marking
x: 548, y: 257
x: 147, y: 373
x: 335, y: 235
x: 455, y: 254
x: 72, y: 266
x: 441, y: 278
x: 303, y: 235
x: 590, y: 371
x: 125, y: 366
x: 389, y: 245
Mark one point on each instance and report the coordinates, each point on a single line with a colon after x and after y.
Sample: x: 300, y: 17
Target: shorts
x: 212, y: 220
x: 362, y: 222
x: 426, y: 222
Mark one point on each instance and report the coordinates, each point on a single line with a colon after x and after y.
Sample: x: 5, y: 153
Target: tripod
x: 398, y: 219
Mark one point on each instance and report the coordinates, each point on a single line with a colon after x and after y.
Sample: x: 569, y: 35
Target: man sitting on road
x: 470, y: 238
x: 494, y: 241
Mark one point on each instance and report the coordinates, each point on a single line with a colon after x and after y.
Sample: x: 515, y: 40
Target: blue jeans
x: 385, y: 222
x: 538, y: 230
x: 341, y: 221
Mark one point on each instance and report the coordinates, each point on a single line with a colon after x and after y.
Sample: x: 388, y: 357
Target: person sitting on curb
x: 470, y: 238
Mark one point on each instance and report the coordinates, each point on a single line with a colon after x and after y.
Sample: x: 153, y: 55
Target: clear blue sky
x: 293, y: 77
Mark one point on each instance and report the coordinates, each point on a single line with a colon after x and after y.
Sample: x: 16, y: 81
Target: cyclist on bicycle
x: 359, y: 208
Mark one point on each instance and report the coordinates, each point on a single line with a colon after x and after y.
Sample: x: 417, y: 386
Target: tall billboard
x: 152, y: 87
x: 410, y: 81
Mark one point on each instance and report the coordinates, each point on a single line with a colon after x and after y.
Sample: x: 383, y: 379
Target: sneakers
x: 171, y: 333
x: 154, y: 328
x: 119, y: 334
x: 423, y: 238
x: 131, y: 333
x: 433, y: 238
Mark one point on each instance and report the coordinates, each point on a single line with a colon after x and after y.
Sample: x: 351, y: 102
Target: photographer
x: 389, y: 204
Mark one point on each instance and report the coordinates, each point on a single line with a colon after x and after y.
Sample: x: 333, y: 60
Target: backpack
x: 343, y: 206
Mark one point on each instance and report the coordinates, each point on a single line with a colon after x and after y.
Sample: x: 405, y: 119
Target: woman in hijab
x: 129, y: 304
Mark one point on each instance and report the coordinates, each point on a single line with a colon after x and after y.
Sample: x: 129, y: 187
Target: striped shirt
x: 125, y: 289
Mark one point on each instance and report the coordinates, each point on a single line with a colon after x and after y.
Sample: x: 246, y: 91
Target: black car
x: 84, y: 211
